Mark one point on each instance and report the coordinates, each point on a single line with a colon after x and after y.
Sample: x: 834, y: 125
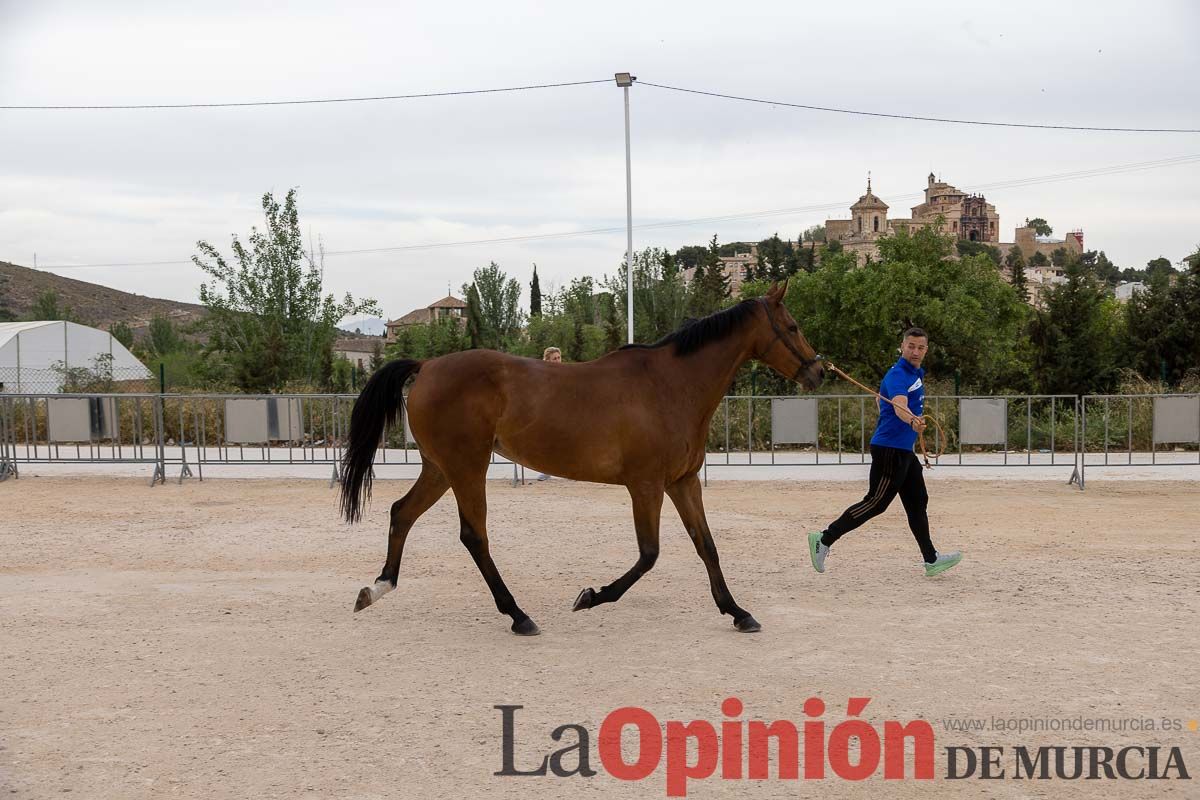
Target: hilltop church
x: 969, y: 217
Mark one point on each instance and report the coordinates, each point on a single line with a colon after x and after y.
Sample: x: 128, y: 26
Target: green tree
x: 341, y: 376
x: 6, y: 313
x: 535, y: 295
x: 1015, y: 261
x: 376, y: 356
x: 269, y: 319
x: 1159, y: 266
x: 1038, y: 259
x: 816, y: 233
x: 974, y: 318
x: 162, y: 338
x: 1162, y: 335
x: 46, y: 306
x: 691, y: 256
x: 423, y: 341
x: 613, y: 337
x: 1076, y: 337
x: 709, y: 290
x: 1101, y: 267
x: 1040, y: 226
x: 1059, y: 257
x: 499, y: 317
x: 772, y: 258
x: 968, y: 248
x: 660, y: 298
x: 122, y: 333
x: 475, y: 322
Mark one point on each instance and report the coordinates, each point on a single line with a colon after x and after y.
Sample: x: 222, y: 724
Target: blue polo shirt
x: 902, y: 378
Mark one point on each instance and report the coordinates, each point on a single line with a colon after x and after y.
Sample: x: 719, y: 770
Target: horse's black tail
x: 375, y: 409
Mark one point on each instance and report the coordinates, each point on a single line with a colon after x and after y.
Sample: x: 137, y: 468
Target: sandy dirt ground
x: 197, y: 641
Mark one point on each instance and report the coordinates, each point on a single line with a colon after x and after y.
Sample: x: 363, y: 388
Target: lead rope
x: 927, y: 418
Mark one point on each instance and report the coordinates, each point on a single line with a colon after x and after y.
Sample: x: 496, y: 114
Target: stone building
x: 358, y: 350
x: 449, y: 307
x: 965, y: 216
x: 1029, y: 243
x: 969, y: 217
x: 735, y: 267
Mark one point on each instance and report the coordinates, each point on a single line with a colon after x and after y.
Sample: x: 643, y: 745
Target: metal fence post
x: 8, y: 442
x: 1080, y: 443
x: 160, y: 464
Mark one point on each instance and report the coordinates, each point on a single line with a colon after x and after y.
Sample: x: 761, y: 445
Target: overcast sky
x: 97, y: 187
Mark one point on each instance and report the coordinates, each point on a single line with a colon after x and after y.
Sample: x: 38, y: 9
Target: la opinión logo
x: 699, y: 749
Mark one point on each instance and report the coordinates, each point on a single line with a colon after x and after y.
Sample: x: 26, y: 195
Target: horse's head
x: 781, y: 345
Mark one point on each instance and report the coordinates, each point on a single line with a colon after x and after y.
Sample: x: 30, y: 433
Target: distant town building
x: 968, y: 217
x: 1125, y: 291
x: 358, y: 350
x: 449, y: 307
x: 735, y: 267
x: 1040, y: 280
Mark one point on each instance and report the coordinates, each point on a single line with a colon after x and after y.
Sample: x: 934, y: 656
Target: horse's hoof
x: 747, y: 624
x: 526, y: 627
x: 586, y: 599
x: 365, y: 598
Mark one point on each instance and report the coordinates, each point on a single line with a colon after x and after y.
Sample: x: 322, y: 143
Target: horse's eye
x: 794, y: 328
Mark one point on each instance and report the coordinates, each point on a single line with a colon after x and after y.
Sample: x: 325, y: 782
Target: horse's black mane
x: 695, y: 333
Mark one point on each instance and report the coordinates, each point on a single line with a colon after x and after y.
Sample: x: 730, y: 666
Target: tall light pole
x: 625, y: 80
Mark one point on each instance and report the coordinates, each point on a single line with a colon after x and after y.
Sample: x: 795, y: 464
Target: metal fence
x: 97, y: 429
x: 182, y: 434
x: 173, y: 432
x: 1139, y: 430
x: 97, y: 378
x: 1019, y: 430
x: 829, y: 430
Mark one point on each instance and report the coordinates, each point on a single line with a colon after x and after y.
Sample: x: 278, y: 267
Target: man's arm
x: 900, y: 402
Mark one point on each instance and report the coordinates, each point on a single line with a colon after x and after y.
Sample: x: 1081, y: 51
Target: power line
x: 304, y: 102
x: 918, y: 118
x: 466, y: 92
x: 1014, y: 183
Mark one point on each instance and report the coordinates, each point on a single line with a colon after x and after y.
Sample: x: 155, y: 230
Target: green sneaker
x: 944, y: 562
x: 817, y: 551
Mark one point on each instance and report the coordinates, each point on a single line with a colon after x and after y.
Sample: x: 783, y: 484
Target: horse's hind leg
x: 685, y: 494
x: 647, y: 510
x: 431, y: 484
x: 469, y: 491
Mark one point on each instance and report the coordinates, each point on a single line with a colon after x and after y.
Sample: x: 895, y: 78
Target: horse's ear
x: 777, y: 291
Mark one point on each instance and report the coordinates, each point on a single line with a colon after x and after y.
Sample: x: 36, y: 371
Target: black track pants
x: 893, y: 472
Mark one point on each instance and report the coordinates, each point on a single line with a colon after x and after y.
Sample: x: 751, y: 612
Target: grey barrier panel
x: 263, y: 419
x: 983, y: 420
x: 793, y: 420
x: 81, y: 419
x: 70, y: 419
x: 1176, y: 419
x: 285, y: 420
x: 246, y: 420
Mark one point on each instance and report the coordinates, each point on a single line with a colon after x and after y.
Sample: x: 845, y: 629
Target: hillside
x: 91, y: 303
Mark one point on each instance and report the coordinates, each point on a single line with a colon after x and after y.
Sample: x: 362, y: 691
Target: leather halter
x: 805, y: 363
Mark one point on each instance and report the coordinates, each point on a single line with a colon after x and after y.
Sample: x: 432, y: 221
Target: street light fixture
x: 625, y: 80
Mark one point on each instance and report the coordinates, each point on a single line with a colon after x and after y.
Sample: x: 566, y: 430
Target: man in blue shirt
x: 895, y: 469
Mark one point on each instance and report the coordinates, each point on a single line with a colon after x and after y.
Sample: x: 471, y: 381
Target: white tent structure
x: 38, y: 357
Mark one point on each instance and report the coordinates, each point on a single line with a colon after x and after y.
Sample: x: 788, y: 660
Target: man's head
x: 552, y: 354
x: 914, y: 346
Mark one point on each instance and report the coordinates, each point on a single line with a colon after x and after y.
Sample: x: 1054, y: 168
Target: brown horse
x: 638, y: 417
